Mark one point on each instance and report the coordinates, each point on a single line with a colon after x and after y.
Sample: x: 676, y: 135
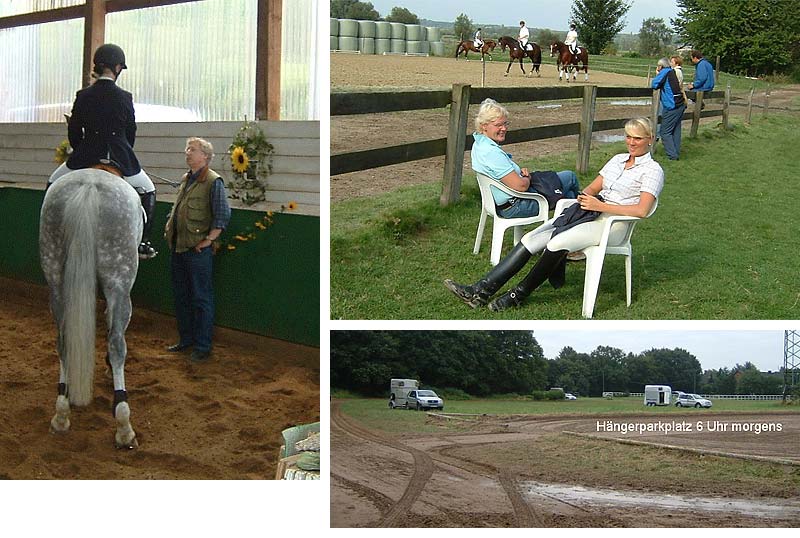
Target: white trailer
x: 657, y: 395
x: 398, y: 391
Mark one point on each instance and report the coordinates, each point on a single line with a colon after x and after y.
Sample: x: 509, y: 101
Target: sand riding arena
x: 220, y: 420
x: 524, y: 471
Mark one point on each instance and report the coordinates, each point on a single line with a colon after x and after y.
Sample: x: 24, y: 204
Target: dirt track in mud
x: 219, y: 420
x: 376, y: 73
x: 454, y: 480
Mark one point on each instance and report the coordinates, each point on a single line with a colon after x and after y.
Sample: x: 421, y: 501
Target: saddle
x: 109, y: 167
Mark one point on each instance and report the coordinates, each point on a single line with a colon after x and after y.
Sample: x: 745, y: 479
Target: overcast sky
x: 714, y: 349
x: 553, y: 14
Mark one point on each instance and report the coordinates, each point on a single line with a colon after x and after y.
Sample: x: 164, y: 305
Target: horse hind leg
x: 60, y: 422
x: 118, y: 316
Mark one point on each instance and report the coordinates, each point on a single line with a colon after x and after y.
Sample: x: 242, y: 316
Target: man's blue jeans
x: 193, y: 291
x: 527, y: 208
x: 671, y: 131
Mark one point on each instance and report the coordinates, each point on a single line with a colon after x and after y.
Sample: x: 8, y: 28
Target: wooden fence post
x: 766, y: 101
x: 716, y: 72
x: 750, y: 105
x: 726, y: 108
x: 587, y: 122
x: 483, y: 72
x: 698, y: 106
x: 654, y: 117
x: 456, y: 138
x: 649, y: 67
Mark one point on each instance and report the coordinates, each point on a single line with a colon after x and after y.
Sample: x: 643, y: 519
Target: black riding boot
x: 146, y: 250
x: 478, y: 294
x: 548, y: 265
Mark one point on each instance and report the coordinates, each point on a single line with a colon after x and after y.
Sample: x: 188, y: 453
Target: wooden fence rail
x: 458, y: 141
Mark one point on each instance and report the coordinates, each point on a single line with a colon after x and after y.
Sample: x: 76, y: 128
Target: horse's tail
x: 79, y: 287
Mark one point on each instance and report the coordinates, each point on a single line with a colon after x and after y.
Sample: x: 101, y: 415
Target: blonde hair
x: 677, y: 59
x: 489, y: 111
x: 203, y: 145
x: 641, y: 127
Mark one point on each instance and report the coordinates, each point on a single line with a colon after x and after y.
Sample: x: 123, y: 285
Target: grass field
x: 722, y: 244
x: 376, y: 414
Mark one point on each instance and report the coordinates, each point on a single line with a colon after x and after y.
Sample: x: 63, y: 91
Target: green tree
x: 463, y: 28
x: 545, y: 37
x: 598, y: 21
x: 401, y: 14
x: 353, y: 9
x: 753, y: 37
x: 654, y: 37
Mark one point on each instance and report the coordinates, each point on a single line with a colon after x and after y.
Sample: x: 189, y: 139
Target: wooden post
x: 726, y: 108
x: 716, y: 72
x: 268, y: 60
x: 654, y: 115
x: 649, y: 69
x: 587, y: 122
x: 698, y: 105
x: 456, y: 139
x: 750, y: 105
x: 766, y: 100
x: 483, y: 72
x: 94, y: 34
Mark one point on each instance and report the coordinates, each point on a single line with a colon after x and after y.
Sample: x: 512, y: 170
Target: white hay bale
x: 348, y: 28
x: 383, y: 30
x: 366, y: 45
x: 398, y: 30
x: 334, y: 27
x: 348, y: 43
x: 366, y: 29
x: 398, y: 46
x: 383, y: 45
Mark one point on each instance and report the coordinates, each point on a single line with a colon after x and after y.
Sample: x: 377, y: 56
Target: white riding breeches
x: 579, y: 237
x: 141, y: 182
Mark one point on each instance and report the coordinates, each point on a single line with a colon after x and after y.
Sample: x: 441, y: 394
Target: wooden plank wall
x: 27, y: 153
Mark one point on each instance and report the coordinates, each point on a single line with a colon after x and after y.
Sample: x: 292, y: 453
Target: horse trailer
x: 398, y: 391
x: 657, y: 395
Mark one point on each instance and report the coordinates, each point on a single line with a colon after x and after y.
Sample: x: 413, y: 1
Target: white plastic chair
x: 500, y: 224
x: 595, y: 255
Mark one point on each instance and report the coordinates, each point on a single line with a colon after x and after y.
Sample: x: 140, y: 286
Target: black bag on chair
x: 548, y: 185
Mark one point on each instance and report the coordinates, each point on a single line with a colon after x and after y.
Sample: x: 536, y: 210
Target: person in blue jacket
x: 673, y: 106
x: 703, y: 74
x: 102, y: 130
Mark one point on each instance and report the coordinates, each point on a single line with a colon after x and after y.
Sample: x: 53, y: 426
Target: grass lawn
x: 722, y: 245
x: 375, y: 413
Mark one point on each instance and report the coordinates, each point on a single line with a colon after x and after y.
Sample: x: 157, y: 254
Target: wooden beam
x: 268, y: 60
x: 94, y: 33
x: 41, y: 17
x: 114, y: 6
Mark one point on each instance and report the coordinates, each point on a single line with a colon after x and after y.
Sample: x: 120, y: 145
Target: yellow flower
x: 239, y: 160
x: 292, y: 205
x: 231, y: 247
x: 240, y: 238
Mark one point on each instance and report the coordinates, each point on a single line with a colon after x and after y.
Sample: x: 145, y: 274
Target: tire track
x: 423, y: 465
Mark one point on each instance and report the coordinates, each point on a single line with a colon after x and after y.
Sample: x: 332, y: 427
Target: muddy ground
x: 220, y: 420
x: 376, y: 73
x: 471, y: 478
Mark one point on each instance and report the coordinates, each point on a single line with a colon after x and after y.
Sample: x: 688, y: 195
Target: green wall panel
x: 269, y: 285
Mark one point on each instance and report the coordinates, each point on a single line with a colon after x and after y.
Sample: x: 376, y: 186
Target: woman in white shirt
x: 628, y: 184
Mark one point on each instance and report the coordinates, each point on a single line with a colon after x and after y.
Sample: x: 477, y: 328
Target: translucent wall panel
x: 40, y: 70
x: 17, y: 7
x: 197, y: 59
x: 299, y: 68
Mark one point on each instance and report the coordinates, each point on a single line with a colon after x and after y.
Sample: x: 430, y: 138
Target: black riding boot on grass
x: 478, y: 294
x: 551, y: 265
x: 146, y: 250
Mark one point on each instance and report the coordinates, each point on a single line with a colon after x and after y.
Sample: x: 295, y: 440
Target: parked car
x: 692, y: 400
x: 570, y: 396
x: 424, y: 399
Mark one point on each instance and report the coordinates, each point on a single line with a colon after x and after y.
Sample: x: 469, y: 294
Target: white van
x: 657, y: 395
x: 398, y: 391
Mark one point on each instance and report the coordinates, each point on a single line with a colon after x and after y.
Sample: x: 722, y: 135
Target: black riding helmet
x: 110, y: 55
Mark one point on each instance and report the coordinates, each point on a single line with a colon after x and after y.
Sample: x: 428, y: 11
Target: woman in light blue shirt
x: 489, y: 159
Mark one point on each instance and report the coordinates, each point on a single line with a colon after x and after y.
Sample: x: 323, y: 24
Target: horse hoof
x: 128, y: 445
x: 59, y: 426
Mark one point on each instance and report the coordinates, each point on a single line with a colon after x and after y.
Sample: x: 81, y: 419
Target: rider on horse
x: 478, y: 42
x: 572, y: 41
x: 524, y: 35
x: 102, y: 131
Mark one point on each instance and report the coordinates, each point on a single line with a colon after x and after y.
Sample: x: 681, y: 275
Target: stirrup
x: 146, y: 251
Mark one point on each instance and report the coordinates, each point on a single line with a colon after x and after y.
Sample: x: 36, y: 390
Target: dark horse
x: 566, y: 60
x: 466, y: 46
x: 516, y: 53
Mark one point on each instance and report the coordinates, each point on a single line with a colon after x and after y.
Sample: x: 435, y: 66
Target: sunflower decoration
x: 62, y: 151
x: 240, y: 161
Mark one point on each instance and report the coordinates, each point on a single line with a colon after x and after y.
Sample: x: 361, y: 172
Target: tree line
x: 485, y: 363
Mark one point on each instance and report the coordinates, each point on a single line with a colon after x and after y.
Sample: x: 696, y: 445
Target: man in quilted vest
x: 200, y: 214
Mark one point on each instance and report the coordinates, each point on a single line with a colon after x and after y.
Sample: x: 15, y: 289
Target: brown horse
x: 468, y: 45
x: 515, y: 52
x: 566, y: 60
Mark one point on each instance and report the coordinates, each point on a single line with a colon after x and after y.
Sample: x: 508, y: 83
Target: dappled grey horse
x: 89, y: 231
